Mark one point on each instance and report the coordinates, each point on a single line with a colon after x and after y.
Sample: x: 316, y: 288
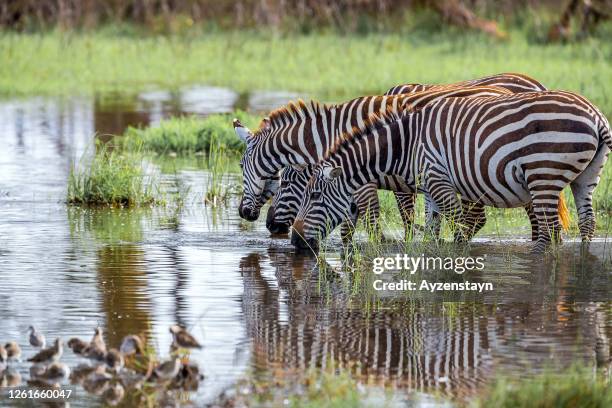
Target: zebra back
x: 513, y: 82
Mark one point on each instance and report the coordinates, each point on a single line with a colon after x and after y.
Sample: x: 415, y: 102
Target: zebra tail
x: 564, y: 215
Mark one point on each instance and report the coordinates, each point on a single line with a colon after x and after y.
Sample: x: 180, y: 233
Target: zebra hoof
x: 301, y: 243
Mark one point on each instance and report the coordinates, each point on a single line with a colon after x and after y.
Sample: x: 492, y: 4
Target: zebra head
x: 288, y: 198
x: 327, y: 202
x: 258, y: 183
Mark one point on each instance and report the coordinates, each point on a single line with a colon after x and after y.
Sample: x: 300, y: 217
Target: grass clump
x: 324, y: 387
x: 190, y: 135
x: 575, y: 387
x: 110, y: 179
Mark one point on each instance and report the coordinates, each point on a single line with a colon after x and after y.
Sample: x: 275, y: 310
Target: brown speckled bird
x: 168, y: 370
x: 50, y: 354
x: 98, y: 381
x: 54, y: 372
x: 182, y: 338
x: 3, y: 359
x: 114, y: 359
x: 131, y: 345
x: 97, y: 347
x: 13, y: 350
x: 77, y: 345
x: 36, y: 339
x: 114, y: 394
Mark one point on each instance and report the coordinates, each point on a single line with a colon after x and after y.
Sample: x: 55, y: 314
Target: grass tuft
x: 189, y: 135
x: 576, y: 387
x: 110, y: 179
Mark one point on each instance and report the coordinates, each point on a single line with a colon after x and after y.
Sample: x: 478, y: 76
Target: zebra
x: 287, y: 200
x: 514, y: 82
x: 501, y: 151
x: 299, y: 134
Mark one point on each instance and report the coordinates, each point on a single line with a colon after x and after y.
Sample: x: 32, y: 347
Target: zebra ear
x: 332, y: 172
x: 265, y: 123
x: 242, y: 131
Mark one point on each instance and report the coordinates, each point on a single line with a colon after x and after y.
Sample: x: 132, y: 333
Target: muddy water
x: 259, y: 309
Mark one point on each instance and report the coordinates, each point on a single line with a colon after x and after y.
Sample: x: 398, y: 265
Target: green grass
x: 325, y: 65
x: 190, y: 135
x: 330, y: 387
x: 110, y: 179
x: 576, y: 387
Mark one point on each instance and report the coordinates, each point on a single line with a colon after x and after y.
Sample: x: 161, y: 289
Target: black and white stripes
x: 502, y: 151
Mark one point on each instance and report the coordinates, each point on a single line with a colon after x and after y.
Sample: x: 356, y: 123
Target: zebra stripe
x: 416, y: 350
x: 299, y: 134
x: 514, y: 82
x: 286, y: 203
x: 501, y: 151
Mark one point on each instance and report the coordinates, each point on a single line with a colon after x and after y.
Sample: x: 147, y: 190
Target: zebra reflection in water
x: 297, y: 322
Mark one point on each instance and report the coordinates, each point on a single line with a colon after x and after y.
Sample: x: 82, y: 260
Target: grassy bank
x: 339, y: 387
x: 189, y: 135
x: 575, y: 387
x: 323, y: 65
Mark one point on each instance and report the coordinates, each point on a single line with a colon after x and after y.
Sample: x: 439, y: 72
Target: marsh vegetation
x: 152, y: 237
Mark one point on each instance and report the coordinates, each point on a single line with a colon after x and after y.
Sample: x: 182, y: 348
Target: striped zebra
x: 286, y: 203
x: 517, y: 83
x: 502, y: 151
x: 298, y: 134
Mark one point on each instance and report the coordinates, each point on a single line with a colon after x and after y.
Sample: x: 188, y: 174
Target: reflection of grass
x: 190, y: 135
x: 110, y: 179
x: 575, y: 387
x: 110, y: 226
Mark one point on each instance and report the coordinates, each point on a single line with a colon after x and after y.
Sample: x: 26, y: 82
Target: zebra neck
x: 310, y: 129
x: 388, y: 149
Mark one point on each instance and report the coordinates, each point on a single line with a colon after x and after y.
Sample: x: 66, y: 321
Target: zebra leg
x: 545, y: 207
x: 405, y: 204
x: 473, y: 219
x: 433, y: 218
x: 444, y: 197
x: 582, y: 190
x: 533, y: 220
x: 368, y: 206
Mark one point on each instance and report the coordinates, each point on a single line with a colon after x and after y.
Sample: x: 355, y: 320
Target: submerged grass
x: 110, y: 179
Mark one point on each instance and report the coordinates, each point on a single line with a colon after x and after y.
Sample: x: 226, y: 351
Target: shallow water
x: 260, y: 309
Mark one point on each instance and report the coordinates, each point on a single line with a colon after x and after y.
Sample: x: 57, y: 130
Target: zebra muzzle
x: 301, y: 243
x: 273, y: 226
x: 248, y: 213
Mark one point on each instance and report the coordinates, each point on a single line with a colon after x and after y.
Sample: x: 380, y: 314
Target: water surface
x: 260, y: 309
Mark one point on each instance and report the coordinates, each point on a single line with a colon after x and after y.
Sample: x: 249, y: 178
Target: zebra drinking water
x: 286, y: 202
x: 501, y: 151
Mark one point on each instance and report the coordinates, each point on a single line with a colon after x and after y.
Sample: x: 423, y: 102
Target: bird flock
x: 107, y: 372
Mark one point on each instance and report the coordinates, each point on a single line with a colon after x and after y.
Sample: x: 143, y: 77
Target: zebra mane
x: 298, y: 110
x: 375, y: 122
x: 294, y: 111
